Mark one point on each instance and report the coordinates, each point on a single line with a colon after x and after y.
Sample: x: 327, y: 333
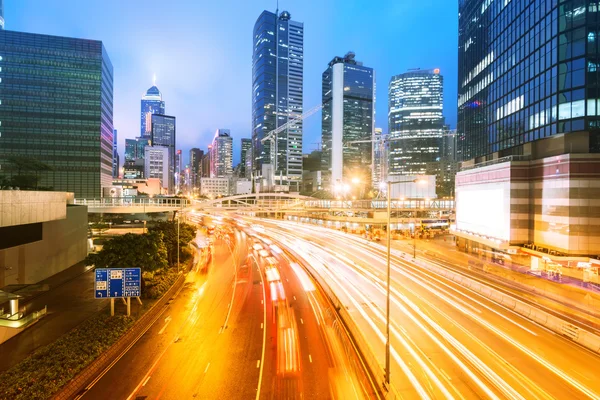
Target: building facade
x: 61, y: 116
x: 156, y: 165
x: 214, y: 187
x: 277, y: 94
x: 348, y: 121
x: 163, y: 134
x: 115, y: 152
x: 528, y: 126
x: 415, y: 120
x: 246, y: 148
x: 221, y: 158
x: 206, y: 163
x: 152, y: 103
x: 196, y: 156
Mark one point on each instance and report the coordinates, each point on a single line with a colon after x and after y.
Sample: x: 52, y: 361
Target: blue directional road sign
x: 115, y: 283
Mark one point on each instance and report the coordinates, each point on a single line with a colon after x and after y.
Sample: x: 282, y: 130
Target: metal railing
x: 167, y: 202
x: 19, y: 321
x: 496, y: 161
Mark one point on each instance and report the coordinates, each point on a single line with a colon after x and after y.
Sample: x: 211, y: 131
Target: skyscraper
x: 195, y: 167
x: 221, y: 158
x: 115, y: 151
x: 156, y: 164
x: 1, y: 14
x: 163, y: 134
x: 347, y: 121
x: 528, y: 126
x: 246, y: 147
x: 277, y: 84
x: 57, y: 107
x: 415, y: 120
x: 152, y: 103
x: 206, y: 163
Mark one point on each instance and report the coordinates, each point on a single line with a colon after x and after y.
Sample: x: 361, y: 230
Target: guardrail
x: 365, y: 350
x: 134, y: 202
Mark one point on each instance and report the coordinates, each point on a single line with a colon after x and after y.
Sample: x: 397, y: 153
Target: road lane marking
x: 261, y: 325
x: 146, y: 381
x: 262, y: 358
x: 261, y: 302
x: 310, y: 358
x: 230, y: 305
x: 301, y: 321
x: 206, y: 368
x: 167, y: 321
x: 294, y: 297
x: 257, y: 363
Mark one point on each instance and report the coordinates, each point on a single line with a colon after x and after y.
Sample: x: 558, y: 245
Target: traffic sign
x: 116, y: 283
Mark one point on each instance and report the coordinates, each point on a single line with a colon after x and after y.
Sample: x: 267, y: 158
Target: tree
x: 22, y: 164
x: 147, y: 252
x: 168, y: 229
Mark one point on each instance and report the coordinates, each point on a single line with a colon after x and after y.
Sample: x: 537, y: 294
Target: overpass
x: 133, y: 205
x: 267, y: 203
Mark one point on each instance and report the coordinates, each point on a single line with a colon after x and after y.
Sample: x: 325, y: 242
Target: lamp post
x: 389, y: 246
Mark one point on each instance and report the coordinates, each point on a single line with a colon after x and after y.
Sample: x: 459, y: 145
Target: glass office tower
x: 348, y: 118
x: 152, y: 103
x: 56, y: 98
x: 527, y: 71
x: 528, y: 126
x: 163, y: 134
x: 246, y: 148
x: 415, y: 121
x: 277, y: 84
x: 115, y: 170
x: 221, y: 157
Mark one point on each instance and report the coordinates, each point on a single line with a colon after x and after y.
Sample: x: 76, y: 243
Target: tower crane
x: 272, y: 136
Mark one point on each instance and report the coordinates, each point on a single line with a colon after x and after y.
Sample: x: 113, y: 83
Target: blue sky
x: 201, y: 52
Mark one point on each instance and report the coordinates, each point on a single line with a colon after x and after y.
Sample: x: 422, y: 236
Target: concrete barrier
x: 578, y: 335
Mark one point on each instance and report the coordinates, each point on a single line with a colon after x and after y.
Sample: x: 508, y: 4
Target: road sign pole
x: 129, y: 306
x: 112, y: 307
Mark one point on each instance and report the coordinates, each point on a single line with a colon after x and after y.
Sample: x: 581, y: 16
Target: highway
x: 448, y: 341
x: 250, y: 325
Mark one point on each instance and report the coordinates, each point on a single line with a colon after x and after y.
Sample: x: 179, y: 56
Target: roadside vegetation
x: 49, y: 368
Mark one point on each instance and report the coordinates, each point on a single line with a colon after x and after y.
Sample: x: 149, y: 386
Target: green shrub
x: 158, y: 283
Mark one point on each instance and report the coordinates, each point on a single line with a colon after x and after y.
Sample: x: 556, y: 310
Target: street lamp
x: 389, y: 245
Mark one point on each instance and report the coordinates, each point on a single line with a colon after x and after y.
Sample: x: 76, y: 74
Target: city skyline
x: 137, y: 59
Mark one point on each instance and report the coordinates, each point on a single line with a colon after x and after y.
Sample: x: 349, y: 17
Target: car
x: 127, y: 221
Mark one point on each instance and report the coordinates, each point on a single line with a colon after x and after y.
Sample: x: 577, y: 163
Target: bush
x: 44, y: 372
x: 158, y: 283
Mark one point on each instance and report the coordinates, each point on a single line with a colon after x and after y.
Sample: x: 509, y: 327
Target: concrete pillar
x: 14, y: 306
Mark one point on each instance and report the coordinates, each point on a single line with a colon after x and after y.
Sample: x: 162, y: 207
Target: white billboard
x: 484, y: 210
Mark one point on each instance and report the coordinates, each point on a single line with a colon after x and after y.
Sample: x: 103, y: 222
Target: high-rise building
x: 347, y: 121
x: 415, y: 121
x: 528, y: 126
x: 196, y: 156
x: 163, y: 134
x: 179, y: 171
x: 246, y: 148
x: 277, y: 84
x: 130, y: 149
x: 156, y: 164
x: 152, y: 103
x: 221, y: 158
x: 60, y: 114
x: 115, y: 151
x: 134, y: 148
x: 1, y: 14
x: 206, y: 163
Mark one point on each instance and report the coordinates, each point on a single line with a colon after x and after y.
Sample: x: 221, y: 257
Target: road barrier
x: 364, y: 348
x: 578, y: 335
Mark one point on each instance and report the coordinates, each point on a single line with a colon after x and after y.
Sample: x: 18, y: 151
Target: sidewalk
x: 69, y: 296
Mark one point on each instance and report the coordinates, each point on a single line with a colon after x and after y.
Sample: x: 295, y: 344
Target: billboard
x: 484, y: 209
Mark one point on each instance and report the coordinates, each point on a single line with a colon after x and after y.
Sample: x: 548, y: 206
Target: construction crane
x: 272, y: 136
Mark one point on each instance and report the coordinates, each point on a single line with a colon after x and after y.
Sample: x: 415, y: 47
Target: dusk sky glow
x: 201, y: 53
